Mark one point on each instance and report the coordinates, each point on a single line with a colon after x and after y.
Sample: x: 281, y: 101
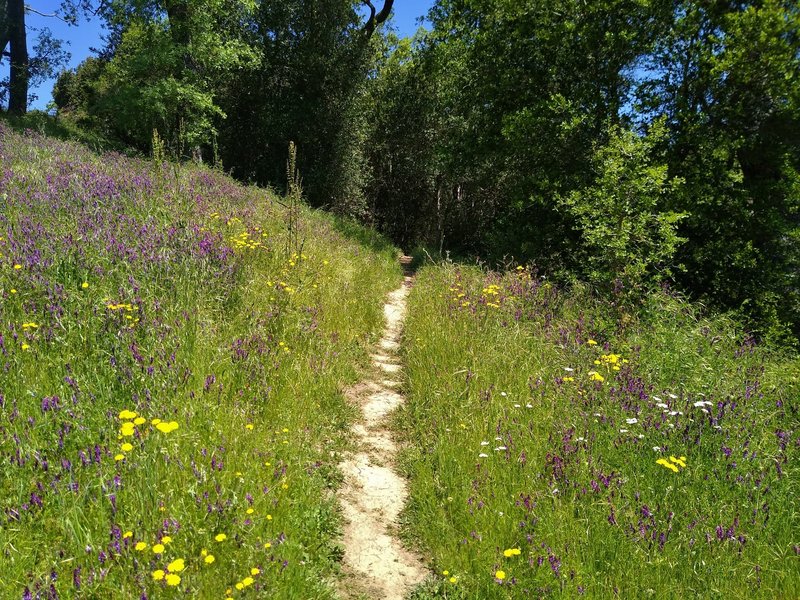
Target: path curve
x: 373, y: 495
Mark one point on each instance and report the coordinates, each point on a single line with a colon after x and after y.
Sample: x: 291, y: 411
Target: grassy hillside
x: 560, y: 447
x: 172, y: 363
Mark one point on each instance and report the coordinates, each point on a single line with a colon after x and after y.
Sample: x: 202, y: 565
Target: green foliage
x: 628, y: 239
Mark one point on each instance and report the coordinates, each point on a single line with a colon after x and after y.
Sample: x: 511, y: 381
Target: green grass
x: 524, y: 462
x: 174, y: 293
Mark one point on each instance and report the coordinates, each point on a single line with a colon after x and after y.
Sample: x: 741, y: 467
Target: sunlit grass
x: 559, y: 446
x: 173, y: 294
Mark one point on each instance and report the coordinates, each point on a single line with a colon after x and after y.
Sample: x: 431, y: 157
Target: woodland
x: 628, y: 144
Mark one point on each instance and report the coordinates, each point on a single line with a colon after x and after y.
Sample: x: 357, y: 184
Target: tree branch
x: 376, y: 19
x: 30, y: 9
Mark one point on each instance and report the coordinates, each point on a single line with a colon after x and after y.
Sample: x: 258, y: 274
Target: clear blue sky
x: 86, y: 35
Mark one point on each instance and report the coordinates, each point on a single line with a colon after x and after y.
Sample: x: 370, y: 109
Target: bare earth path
x: 373, y: 494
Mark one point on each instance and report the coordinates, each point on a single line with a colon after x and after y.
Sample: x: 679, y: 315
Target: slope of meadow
x: 172, y: 368
x: 561, y: 447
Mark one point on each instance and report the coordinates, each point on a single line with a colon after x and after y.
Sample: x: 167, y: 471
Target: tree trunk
x: 20, y: 74
x: 3, y: 26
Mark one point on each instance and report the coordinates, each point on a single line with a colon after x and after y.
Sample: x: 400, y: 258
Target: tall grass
x: 559, y: 446
x: 171, y: 379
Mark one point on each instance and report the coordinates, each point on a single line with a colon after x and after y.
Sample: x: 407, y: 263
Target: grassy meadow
x: 562, y: 447
x: 172, y: 366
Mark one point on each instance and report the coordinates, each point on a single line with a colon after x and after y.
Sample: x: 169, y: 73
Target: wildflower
x: 155, y: 422
x: 248, y: 581
x: 220, y: 537
x: 255, y: 571
x: 158, y: 549
x: 127, y: 414
x: 176, y: 566
x: 267, y: 545
x: 165, y: 427
x: 139, y: 421
x: 85, y: 284
x: 250, y: 511
x: 500, y: 575
x: 595, y: 376
x: 249, y: 426
x: 158, y: 575
x: 631, y: 421
x: 664, y: 462
x: 127, y: 535
x: 511, y: 552
x: 140, y: 546
x: 445, y: 573
x: 269, y: 517
x: 173, y: 579
x: 681, y: 462
x: 591, y: 343
x: 127, y: 429
x: 17, y: 267
x: 13, y: 291
x: 119, y: 457
x: 166, y: 540
x: 25, y: 346
x: 209, y: 559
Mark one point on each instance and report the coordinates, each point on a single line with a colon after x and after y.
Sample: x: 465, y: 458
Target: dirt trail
x: 373, y: 494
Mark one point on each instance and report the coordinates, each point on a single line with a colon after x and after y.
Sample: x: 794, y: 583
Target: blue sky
x: 88, y: 34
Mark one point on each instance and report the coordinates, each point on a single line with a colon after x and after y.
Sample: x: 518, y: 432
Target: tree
x: 48, y: 57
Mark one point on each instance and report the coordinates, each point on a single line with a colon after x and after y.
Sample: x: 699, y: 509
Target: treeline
x: 627, y: 143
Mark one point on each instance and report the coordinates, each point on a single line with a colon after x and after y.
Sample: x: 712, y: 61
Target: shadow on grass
x: 366, y: 237
x: 63, y: 129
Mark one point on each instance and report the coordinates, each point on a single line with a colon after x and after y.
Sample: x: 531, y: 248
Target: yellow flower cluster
x: 130, y: 421
x: 244, y: 241
x: 673, y: 463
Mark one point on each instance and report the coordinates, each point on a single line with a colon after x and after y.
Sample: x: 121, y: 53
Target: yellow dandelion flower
x: 166, y: 540
x: 453, y: 579
x: 511, y: 552
x: 25, y: 346
x: 127, y: 414
x: 173, y: 579
x: 591, y: 342
x: 85, y: 284
x: 127, y: 429
x: 127, y: 535
x: 126, y: 447
x: 155, y: 421
x: 249, y: 426
x: 255, y: 571
x: 119, y: 457
x: 248, y: 581
x: 176, y: 566
x: 139, y: 421
x: 17, y: 267
x: 681, y: 462
x: 445, y: 573
x: 209, y: 559
x: 500, y: 575
x: 140, y: 546
x: 158, y: 549
x: 165, y: 427
x: 158, y: 575
x: 267, y: 545
x: 239, y: 585
x: 250, y: 511
x: 13, y: 291
x: 220, y: 537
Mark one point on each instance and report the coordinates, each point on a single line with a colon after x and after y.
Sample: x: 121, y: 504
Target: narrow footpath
x: 373, y: 494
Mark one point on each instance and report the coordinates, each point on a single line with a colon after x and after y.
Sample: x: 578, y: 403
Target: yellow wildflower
x: 220, y: 537
x: 139, y: 421
x: 158, y: 575
x: 119, y: 457
x: 511, y: 552
x: 209, y: 559
x: 173, y: 579
x: 158, y: 549
x: 176, y: 566
x: 165, y: 427
x: 255, y: 571
x: 127, y: 534
x: 127, y: 414
x: 140, y: 546
x: 500, y: 575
